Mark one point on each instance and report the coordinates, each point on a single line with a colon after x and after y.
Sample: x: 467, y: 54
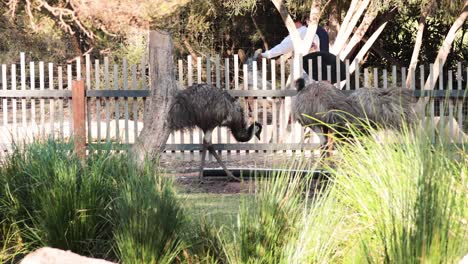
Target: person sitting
x: 324, y: 39
x: 320, y: 42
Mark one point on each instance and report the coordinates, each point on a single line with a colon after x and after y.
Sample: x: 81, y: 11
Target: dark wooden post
x: 79, y: 118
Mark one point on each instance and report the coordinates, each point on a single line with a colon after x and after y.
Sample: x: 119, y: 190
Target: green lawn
x: 222, y: 208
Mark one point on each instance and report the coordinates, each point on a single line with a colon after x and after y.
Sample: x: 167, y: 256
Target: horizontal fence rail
x: 235, y: 93
x: 36, y: 100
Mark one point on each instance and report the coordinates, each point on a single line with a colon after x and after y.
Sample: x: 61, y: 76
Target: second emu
x: 332, y: 109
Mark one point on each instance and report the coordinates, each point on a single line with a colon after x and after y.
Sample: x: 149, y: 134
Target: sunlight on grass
x: 396, y: 198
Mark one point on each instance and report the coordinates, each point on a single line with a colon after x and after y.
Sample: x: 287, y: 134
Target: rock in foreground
x: 47, y: 255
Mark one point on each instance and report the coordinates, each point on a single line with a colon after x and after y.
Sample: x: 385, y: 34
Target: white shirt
x: 287, y: 45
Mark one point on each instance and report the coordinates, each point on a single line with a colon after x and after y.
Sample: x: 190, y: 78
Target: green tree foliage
x: 399, y: 36
x: 118, y: 28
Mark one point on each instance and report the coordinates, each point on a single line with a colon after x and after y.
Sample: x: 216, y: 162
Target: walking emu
x: 207, y: 107
x: 329, y: 106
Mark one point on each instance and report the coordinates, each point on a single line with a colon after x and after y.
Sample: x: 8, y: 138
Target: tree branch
x: 295, y: 37
x: 445, y: 49
x: 345, y: 23
x: 369, y: 16
x: 340, y: 42
x: 367, y: 46
x: 418, y: 41
x: 265, y: 42
x: 60, y: 13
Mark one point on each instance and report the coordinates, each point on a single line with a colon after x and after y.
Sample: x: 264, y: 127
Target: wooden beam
x: 79, y: 118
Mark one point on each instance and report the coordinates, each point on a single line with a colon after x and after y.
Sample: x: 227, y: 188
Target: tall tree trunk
x: 155, y: 133
x: 360, y: 31
x: 445, y: 49
x: 418, y: 41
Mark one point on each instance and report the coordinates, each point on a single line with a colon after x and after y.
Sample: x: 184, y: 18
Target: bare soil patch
x: 184, y: 170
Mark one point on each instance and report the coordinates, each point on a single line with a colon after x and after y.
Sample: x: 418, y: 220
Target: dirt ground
x: 184, y: 170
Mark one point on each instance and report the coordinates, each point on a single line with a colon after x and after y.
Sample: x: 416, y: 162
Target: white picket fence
x: 35, y: 101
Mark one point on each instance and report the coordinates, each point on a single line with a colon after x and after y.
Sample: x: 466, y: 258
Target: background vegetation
x: 59, y: 30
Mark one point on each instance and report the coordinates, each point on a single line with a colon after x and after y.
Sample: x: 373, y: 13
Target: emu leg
x: 203, y: 157
x: 228, y: 173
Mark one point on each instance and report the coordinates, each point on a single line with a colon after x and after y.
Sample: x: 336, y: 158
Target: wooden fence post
x: 79, y: 117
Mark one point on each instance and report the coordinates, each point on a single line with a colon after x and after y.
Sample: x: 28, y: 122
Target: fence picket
x: 23, y: 88
x: 88, y: 100
x: 283, y: 124
x: 403, y: 77
x: 125, y: 87
x: 432, y: 108
x: 208, y: 69
x: 219, y: 130
x: 60, y: 102
x: 143, y: 83
x: 51, y: 101
x: 413, y: 78
x: 274, y: 110
x: 424, y: 110
x: 135, y: 103
x: 32, y: 80
x: 384, y: 79
x: 107, y: 101
x: 319, y: 68
x: 97, y: 81
x: 236, y: 87
x: 190, y: 83
x: 227, y: 87
x: 265, y: 100
x: 116, y: 103
x: 42, y: 101
x: 199, y: 80
x: 14, y: 101
x: 450, y: 106
x: 78, y: 69
x: 376, y: 78
x: 255, y: 87
x: 441, y: 101
x: 5, y: 101
x: 460, y: 102
x: 356, y: 74
x: 366, y: 77
x: 199, y: 70
x: 70, y: 102
x: 310, y: 69
x: 338, y: 70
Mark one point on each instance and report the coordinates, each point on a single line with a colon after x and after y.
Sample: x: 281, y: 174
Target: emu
x: 207, y: 107
x: 389, y: 107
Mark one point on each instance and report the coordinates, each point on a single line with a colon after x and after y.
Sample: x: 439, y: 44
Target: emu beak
x: 258, y: 136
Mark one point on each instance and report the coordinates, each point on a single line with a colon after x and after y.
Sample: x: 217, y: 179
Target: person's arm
x: 284, y: 47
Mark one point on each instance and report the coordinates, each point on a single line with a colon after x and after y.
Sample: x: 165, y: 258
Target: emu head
x: 256, y: 129
x: 300, y: 84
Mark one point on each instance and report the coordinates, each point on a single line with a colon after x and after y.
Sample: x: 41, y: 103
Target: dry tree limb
x: 61, y: 13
